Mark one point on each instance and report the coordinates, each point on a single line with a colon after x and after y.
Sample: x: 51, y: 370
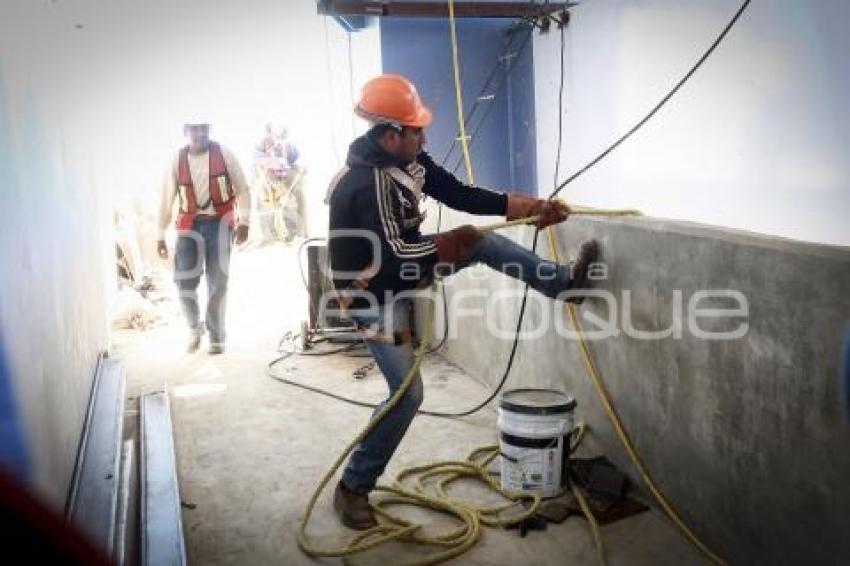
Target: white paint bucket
x: 534, y: 442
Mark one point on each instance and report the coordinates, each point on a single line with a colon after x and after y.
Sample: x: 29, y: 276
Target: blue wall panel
x: 502, y: 121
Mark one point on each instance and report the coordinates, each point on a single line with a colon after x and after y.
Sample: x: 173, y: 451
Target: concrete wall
x: 745, y: 436
x: 759, y: 139
x: 53, y: 258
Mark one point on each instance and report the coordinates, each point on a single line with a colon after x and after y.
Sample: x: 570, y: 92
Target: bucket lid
x: 537, y: 401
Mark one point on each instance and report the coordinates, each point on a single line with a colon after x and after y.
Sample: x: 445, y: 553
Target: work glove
x: 456, y: 245
x: 240, y: 234
x: 549, y: 211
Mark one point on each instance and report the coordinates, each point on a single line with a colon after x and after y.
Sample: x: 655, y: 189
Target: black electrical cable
x: 575, y: 175
x: 658, y: 106
x: 524, y: 303
x: 593, y: 162
x: 340, y: 350
x: 300, y: 252
x: 343, y: 398
x: 474, y: 135
x: 560, y: 114
x: 318, y: 390
x: 506, y: 52
x: 445, y: 337
x: 290, y: 337
x: 554, y: 193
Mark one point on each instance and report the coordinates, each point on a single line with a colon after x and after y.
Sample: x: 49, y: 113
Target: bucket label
x: 531, y: 469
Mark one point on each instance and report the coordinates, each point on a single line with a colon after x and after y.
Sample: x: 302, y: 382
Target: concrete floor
x: 251, y: 450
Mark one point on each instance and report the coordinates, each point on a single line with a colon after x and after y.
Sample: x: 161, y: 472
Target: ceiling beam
x: 440, y: 9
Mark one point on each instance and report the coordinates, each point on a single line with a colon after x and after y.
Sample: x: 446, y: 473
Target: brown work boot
x: 587, y: 253
x: 194, y: 343
x: 353, y: 508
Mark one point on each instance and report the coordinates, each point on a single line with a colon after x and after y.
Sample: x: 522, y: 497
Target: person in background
x: 280, y: 186
x: 276, y: 143
x: 214, y: 211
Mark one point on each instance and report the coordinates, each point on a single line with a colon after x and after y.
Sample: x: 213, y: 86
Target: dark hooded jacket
x: 371, y: 213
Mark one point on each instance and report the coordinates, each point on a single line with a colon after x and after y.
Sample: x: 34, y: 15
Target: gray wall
x: 53, y: 259
x: 746, y: 436
x: 759, y: 139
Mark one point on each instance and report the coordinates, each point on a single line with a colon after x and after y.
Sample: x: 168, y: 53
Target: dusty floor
x: 251, y: 449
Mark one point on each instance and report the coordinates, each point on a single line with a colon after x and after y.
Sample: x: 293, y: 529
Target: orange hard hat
x: 392, y: 99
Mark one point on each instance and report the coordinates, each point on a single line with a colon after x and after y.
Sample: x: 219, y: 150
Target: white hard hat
x: 197, y: 118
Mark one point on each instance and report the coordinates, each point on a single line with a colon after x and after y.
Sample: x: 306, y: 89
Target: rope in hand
x: 574, y: 211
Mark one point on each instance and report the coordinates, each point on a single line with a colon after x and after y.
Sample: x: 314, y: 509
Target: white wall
x: 54, y: 258
x: 93, y: 95
x: 759, y: 139
x: 150, y: 64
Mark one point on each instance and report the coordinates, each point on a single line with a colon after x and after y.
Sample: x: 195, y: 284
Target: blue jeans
x: 510, y: 258
x: 204, y: 250
x: 370, y: 457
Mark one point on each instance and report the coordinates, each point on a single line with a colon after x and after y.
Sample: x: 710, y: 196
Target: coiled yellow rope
x: 461, y: 121
x: 409, y: 489
x: 457, y: 541
x: 409, y: 486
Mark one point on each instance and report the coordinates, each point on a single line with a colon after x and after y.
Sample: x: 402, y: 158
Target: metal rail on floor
x: 123, y: 519
x: 161, y: 522
x: 93, y: 498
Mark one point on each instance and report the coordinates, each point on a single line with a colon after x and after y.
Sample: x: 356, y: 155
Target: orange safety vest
x: 221, y: 189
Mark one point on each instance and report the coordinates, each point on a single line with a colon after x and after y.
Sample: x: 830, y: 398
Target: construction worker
x: 279, y: 189
x: 375, y: 200
x: 214, y: 208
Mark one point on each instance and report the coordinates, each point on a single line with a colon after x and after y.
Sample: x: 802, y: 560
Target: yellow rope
x: 459, y: 97
x: 591, y: 520
x: 623, y: 435
x: 574, y: 211
x: 409, y: 489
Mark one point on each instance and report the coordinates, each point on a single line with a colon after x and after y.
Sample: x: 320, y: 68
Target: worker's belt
x: 205, y: 217
x: 345, y: 298
x: 360, y: 283
x: 394, y: 338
